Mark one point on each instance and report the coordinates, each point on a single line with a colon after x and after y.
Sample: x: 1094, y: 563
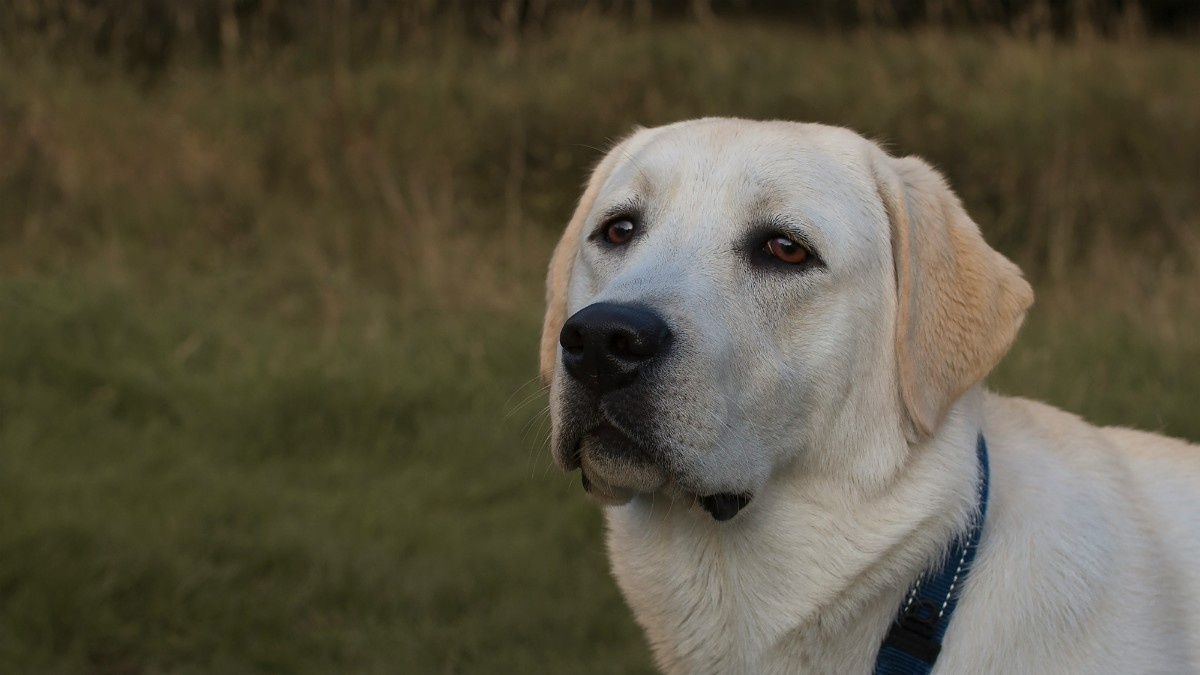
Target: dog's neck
x: 812, y: 572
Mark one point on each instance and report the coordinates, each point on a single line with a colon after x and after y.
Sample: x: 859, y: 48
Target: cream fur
x: 848, y: 400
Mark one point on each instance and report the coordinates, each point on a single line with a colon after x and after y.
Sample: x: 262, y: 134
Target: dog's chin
x: 612, y: 476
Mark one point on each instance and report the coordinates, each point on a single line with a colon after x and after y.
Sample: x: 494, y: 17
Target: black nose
x: 604, y: 345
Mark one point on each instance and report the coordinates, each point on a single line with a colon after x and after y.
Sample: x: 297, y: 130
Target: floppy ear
x: 558, y: 279
x: 959, y: 302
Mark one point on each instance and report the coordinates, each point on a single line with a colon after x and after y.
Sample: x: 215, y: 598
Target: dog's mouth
x: 724, y: 505
x: 615, y: 468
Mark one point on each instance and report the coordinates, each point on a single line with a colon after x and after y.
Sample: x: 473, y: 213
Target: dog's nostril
x: 572, y: 340
x: 634, y: 347
x: 620, y: 344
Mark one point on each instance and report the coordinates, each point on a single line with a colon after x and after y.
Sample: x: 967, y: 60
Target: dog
x: 765, y: 344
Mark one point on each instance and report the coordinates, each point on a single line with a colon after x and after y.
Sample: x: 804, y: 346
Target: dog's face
x: 726, y: 299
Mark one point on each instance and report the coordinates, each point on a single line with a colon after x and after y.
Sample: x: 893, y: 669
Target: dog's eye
x: 786, y: 250
x: 619, y: 232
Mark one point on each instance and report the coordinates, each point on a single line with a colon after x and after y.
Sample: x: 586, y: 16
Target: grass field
x: 268, y: 332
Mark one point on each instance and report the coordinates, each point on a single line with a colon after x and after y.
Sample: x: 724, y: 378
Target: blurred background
x: 270, y: 290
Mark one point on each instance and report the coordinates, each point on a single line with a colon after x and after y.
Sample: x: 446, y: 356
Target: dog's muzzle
x: 606, y: 349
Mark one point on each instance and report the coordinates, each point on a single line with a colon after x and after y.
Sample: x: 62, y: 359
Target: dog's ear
x: 558, y: 279
x: 959, y: 302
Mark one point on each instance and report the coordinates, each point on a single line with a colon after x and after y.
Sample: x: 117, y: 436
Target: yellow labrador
x: 765, y: 343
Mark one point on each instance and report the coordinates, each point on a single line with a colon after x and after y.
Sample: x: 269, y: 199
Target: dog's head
x: 733, y: 296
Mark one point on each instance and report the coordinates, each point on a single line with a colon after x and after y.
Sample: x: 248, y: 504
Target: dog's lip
x: 603, y: 492
x: 572, y: 460
x: 605, y: 426
x: 723, y: 506
x: 614, y: 466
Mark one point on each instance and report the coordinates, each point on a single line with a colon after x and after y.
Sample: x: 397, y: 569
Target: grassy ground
x: 267, y: 347
x: 200, y: 491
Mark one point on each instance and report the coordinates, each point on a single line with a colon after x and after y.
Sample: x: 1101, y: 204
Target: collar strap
x: 914, y: 641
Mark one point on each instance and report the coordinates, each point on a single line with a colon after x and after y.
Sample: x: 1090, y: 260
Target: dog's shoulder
x: 1080, y: 518
x: 1026, y: 427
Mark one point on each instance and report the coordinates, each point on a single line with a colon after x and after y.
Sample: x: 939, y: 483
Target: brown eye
x: 786, y: 250
x: 619, y: 232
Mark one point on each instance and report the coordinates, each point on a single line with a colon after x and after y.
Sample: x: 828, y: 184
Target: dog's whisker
x: 526, y: 401
x: 524, y: 385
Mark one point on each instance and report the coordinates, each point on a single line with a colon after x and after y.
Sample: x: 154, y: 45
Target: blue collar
x: 914, y: 641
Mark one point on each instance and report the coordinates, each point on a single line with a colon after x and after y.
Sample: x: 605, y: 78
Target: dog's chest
x: 710, y: 605
x: 700, y: 614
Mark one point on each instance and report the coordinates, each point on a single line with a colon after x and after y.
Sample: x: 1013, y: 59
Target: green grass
x: 268, y: 334
x: 1109, y: 369
x: 207, y: 492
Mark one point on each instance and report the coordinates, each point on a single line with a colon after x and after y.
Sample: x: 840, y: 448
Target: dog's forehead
x: 730, y: 173
x: 737, y: 155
